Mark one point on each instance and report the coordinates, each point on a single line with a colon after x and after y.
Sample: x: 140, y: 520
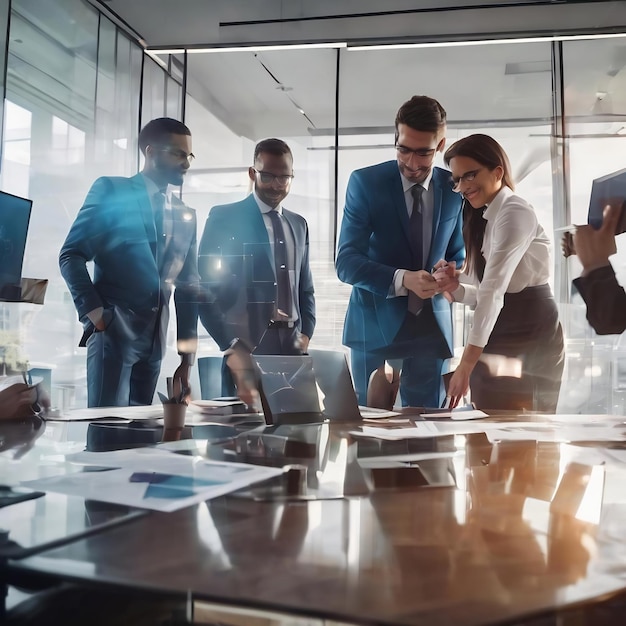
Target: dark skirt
x: 523, y: 360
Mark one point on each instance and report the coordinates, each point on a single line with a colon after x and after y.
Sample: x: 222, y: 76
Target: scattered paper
x: 161, y: 483
x: 370, y: 413
x: 153, y: 411
x: 462, y: 414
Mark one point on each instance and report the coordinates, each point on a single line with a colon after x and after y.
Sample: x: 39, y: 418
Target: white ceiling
x: 260, y: 94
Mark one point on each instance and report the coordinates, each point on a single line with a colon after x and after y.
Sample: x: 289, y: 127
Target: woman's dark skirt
x: 527, y: 334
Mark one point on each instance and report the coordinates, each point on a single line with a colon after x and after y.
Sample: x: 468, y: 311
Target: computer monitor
x: 14, y: 220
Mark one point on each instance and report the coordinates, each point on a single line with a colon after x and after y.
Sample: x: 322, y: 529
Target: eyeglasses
x: 179, y: 154
x: 267, y: 177
x: 468, y: 177
x: 422, y: 153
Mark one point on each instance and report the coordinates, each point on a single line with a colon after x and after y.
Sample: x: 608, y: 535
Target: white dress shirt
x: 428, y: 203
x: 291, y: 247
x: 517, y: 255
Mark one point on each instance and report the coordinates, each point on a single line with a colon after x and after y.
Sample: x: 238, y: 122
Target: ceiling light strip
x: 210, y: 50
x: 484, y: 42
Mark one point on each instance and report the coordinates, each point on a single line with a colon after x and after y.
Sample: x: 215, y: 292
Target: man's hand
x: 180, y: 381
x: 446, y: 275
x: 421, y: 283
x: 304, y: 343
x: 239, y: 361
x: 567, y: 245
x: 16, y: 401
x: 594, y: 247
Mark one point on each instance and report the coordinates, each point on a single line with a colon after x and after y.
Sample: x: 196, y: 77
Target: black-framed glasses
x: 422, y: 153
x: 468, y: 177
x: 179, y: 154
x: 267, y: 177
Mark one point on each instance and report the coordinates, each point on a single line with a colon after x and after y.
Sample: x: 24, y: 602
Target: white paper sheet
x: 370, y: 413
x: 161, y: 482
x: 153, y: 411
x: 427, y: 429
x: 459, y: 414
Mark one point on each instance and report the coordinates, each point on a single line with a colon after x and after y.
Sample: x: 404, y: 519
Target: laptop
x: 306, y: 389
x: 611, y: 186
x: 14, y: 220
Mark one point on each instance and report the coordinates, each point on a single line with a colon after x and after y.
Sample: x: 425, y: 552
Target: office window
x: 594, y: 84
x: 71, y: 115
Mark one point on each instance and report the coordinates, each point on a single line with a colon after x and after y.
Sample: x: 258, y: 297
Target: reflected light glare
x: 595, y: 371
x: 210, y: 537
x: 354, y: 536
x: 590, y: 506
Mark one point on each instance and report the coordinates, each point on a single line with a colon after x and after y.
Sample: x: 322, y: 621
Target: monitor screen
x: 14, y: 219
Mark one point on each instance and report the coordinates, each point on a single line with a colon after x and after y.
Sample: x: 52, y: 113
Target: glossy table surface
x: 479, y: 533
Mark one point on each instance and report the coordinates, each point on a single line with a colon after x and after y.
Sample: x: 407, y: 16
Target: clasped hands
x: 443, y: 279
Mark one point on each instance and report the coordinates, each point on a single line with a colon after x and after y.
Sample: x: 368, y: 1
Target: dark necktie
x: 159, y: 210
x: 416, y: 238
x: 480, y: 259
x: 283, y: 288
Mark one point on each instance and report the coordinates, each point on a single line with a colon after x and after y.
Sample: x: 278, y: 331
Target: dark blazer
x: 115, y: 229
x: 605, y: 299
x: 374, y: 243
x: 237, y: 268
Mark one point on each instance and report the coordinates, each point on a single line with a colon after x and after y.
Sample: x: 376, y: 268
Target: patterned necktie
x: 416, y: 238
x: 283, y: 288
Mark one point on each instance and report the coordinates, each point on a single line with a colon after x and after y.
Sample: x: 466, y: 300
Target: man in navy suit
x: 142, y: 241
x: 401, y: 217
x: 254, y: 260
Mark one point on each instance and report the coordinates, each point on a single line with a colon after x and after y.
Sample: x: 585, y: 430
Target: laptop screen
x: 14, y: 219
x: 307, y: 388
x: 287, y: 386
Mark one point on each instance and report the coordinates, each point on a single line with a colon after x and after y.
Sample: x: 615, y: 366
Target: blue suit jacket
x: 115, y: 229
x: 237, y: 268
x: 374, y: 243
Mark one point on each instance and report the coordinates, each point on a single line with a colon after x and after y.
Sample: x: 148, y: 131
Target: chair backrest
x: 210, y: 373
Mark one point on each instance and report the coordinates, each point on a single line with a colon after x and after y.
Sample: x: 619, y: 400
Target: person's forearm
x: 470, y: 357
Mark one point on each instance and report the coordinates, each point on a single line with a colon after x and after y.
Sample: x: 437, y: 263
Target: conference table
x: 463, y: 529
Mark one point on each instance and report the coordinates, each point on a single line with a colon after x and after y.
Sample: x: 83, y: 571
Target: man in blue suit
x: 254, y: 260
x: 400, y: 218
x: 142, y: 241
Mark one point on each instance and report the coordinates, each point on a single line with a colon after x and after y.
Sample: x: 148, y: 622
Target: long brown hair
x: 490, y: 154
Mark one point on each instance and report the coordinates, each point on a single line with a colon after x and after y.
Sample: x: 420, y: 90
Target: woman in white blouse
x: 514, y: 354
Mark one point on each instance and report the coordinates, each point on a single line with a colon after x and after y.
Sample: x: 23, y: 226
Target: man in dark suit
x: 400, y: 218
x: 254, y: 260
x: 142, y: 241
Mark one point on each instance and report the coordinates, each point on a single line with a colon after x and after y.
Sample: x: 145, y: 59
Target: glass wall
x: 594, y: 87
x: 78, y: 90
x: 71, y: 115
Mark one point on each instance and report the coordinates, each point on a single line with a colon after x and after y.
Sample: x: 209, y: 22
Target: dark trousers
x: 420, y: 349
x: 527, y: 334
x: 122, y: 371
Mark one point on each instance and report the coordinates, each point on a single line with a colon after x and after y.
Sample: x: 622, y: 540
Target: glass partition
x: 71, y: 115
x: 594, y: 86
x: 78, y: 90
